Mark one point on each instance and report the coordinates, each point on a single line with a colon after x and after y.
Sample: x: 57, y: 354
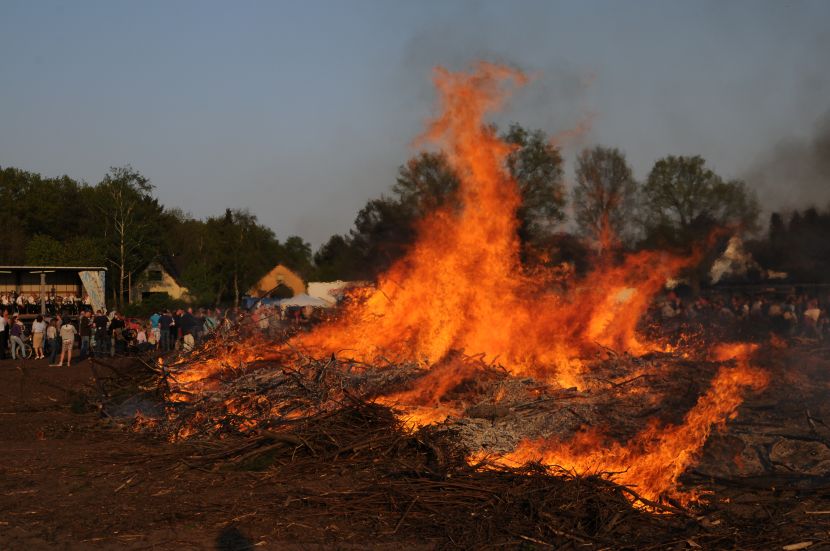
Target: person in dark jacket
x: 176, y: 328
x: 165, y: 323
x: 85, y: 332
x: 116, y: 331
x: 100, y: 322
x: 188, y: 323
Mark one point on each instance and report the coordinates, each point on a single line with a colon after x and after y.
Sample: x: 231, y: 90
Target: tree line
x: 679, y: 204
x: 119, y: 223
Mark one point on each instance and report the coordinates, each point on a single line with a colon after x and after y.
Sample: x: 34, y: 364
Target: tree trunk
x: 236, y: 288
x: 122, y: 269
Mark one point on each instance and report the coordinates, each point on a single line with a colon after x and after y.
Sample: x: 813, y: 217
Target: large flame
x: 462, y: 287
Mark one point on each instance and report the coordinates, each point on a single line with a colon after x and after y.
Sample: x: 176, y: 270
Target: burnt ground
x: 72, y: 479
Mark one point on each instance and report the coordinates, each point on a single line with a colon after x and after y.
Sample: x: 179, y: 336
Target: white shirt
x: 38, y: 327
x: 68, y: 332
x: 3, y: 323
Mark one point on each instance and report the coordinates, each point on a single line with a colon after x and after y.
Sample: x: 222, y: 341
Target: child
x: 68, y: 332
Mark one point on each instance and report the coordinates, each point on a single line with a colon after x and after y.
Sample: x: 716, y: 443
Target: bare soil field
x: 74, y: 478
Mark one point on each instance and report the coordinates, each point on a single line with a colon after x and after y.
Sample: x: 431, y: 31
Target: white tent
x: 304, y: 300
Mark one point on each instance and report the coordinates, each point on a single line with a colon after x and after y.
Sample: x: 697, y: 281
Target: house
x: 159, y: 277
x: 280, y: 281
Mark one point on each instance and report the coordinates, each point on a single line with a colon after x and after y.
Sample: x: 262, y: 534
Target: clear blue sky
x: 301, y: 111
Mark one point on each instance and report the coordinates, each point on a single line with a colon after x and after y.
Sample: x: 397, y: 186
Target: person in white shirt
x: 67, y: 332
x: 38, y: 330
x: 4, y: 333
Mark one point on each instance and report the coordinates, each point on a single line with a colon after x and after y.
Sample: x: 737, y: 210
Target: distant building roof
x: 52, y: 268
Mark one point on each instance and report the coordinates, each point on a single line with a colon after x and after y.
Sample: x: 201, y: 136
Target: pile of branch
x: 357, y: 472
x: 267, y: 394
x: 344, y: 468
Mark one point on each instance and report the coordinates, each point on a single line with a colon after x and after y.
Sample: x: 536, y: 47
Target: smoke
x: 555, y: 100
x: 795, y: 173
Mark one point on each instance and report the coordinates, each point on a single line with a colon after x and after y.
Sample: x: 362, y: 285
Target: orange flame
x: 653, y: 460
x: 462, y: 287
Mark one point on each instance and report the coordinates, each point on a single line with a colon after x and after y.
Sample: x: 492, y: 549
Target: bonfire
x: 460, y: 363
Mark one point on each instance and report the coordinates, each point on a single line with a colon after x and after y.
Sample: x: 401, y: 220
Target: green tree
x: 383, y: 231
x: 31, y: 205
x: 604, y: 197
x: 336, y: 259
x: 536, y: 165
x: 243, y: 251
x: 124, y: 201
x: 296, y: 254
x: 683, y: 200
x: 42, y: 250
x: 424, y: 183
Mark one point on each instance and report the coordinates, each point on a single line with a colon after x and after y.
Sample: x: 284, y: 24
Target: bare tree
x: 131, y: 213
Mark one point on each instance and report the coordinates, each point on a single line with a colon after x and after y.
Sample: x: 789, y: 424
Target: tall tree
x: 336, y: 259
x: 296, y: 254
x: 536, y: 165
x: 425, y: 182
x: 125, y: 202
x: 604, y: 197
x: 246, y: 250
x: 383, y: 231
x: 683, y: 200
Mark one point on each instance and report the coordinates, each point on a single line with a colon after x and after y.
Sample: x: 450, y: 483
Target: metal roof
x: 52, y: 268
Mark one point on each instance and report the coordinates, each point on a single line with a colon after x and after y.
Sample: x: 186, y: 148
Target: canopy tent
x: 304, y: 300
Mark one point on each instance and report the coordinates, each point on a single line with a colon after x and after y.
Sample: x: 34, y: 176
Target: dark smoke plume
x: 796, y: 173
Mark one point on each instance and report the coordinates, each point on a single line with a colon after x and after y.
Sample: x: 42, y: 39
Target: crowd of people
x: 108, y: 334
x: 793, y: 315
x: 22, y: 303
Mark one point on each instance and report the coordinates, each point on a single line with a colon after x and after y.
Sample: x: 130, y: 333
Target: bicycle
x: 28, y: 349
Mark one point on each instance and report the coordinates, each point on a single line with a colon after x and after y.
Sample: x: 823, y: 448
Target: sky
x: 302, y: 111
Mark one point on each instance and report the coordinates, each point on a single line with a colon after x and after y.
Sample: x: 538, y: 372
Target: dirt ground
x: 72, y: 479
x: 68, y: 481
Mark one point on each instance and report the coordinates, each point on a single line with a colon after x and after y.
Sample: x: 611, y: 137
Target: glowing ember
x: 652, y: 461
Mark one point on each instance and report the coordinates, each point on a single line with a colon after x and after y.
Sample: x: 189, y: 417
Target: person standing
x: 154, y: 328
x: 4, y: 333
x: 38, y: 331
x: 187, y: 322
x: 54, y: 339
x: 16, y: 333
x: 85, y: 331
x: 100, y: 322
x: 116, y: 331
x: 67, y: 335
x: 165, y: 322
x: 176, y: 329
